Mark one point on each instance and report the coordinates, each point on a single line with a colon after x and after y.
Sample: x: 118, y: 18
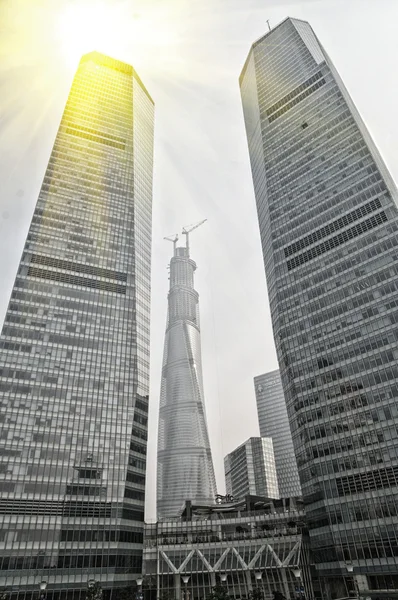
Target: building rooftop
x: 234, y: 508
x: 262, y: 38
x: 116, y: 65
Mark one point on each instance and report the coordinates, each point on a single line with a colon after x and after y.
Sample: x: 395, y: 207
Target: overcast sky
x: 189, y: 54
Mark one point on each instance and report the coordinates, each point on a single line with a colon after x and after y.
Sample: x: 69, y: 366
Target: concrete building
x: 256, y: 542
x: 74, y: 350
x: 250, y: 469
x: 185, y: 464
x: 328, y: 222
x: 274, y: 423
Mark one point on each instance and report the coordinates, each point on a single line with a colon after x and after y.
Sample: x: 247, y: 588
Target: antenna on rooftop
x: 269, y: 26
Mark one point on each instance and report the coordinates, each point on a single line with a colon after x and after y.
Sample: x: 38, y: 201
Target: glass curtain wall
x: 74, y: 350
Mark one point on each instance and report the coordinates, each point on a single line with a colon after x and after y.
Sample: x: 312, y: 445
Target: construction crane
x: 174, y: 240
x: 188, y: 229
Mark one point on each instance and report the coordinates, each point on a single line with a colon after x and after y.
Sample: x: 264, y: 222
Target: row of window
x: 311, y: 276
x: 70, y: 535
x: 371, y: 480
x: 366, y: 313
x: 136, y: 447
x: 62, y: 322
x: 86, y: 307
x: 75, y: 280
x: 318, y: 234
x: 352, y: 352
x: 74, y: 509
x: 334, y: 206
x: 76, y: 267
x: 82, y: 490
x: 134, y: 494
x: 128, y: 563
x: 135, y: 478
x: 144, y: 407
x: 367, y: 551
x: 95, y: 138
x: 339, y: 239
x: 343, y: 127
x: 320, y: 161
x: 275, y: 161
x: 139, y: 433
x: 101, y: 535
x: 296, y: 100
x: 359, y: 260
x: 95, y: 132
x: 353, y: 443
x: 294, y: 93
x: 94, y: 186
x: 381, y: 508
x: 357, y: 420
x: 340, y: 257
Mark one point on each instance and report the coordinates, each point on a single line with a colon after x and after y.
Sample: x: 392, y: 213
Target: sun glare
x: 83, y: 28
x: 111, y: 28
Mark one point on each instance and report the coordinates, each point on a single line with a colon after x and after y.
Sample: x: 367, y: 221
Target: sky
x: 189, y: 54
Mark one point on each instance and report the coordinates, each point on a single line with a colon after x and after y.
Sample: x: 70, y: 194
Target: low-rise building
x: 250, y: 469
x: 274, y: 423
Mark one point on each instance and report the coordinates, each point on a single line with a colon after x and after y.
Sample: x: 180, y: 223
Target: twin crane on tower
x: 185, y: 231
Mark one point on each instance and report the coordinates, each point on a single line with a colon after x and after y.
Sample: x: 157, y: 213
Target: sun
x: 113, y: 28
x: 85, y: 27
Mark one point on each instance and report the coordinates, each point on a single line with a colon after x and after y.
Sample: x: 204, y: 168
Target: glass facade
x: 328, y: 220
x: 274, y: 423
x: 74, y: 350
x: 185, y: 464
x: 250, y: 469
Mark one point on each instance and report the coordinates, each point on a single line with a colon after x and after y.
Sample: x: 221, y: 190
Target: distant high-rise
x: 328, y: 221
x: 274, y: 423
x: 250, y: 469
x: 74, y: 350
x: 185, y: 464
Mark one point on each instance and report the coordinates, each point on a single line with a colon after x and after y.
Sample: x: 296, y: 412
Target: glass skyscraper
x: 250, y: 469
x: 74, y: 350
x: 274, y: 423
x: 185, y: 464
x: 328, y: 220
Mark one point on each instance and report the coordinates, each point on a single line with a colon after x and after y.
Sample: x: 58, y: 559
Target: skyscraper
x: 185, y: 464
x: 74, y: 349
x: 328, y: 220
x: 250, y: 469
x: 274, y: 423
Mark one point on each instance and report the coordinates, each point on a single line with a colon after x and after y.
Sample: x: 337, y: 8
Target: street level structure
x: 252, y: 544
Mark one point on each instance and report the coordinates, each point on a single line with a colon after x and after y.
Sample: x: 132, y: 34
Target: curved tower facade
x: 185, y: 464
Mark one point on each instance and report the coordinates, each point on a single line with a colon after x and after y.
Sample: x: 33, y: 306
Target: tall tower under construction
x: 185, y: 464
